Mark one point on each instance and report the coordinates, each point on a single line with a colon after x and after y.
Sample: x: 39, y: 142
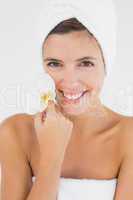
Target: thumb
x: 50, y: 106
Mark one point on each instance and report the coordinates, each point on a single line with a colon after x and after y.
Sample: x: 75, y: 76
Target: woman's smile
x: 72, y: 99
x: 71, y: 105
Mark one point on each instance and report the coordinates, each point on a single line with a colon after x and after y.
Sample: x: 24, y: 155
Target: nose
x: 70, y: 75
x: 69, y: 80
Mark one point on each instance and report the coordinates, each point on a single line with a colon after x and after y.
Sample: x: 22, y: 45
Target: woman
x: 88, y: 139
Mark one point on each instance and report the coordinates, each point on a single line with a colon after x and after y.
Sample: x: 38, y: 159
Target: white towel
x: 99, y: 17
x: 86, y: 189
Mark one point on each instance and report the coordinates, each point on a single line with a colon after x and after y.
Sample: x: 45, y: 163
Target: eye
x: 54, y: 64
x: 88, y: 63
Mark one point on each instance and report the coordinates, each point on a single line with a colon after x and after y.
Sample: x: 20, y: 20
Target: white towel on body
x: 86, y: 189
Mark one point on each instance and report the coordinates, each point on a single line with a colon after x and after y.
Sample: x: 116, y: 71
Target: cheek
x: 98, y: 85
x: 94, y: 82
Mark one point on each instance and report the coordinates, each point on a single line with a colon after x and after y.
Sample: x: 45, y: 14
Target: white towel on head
x: 98, y: 16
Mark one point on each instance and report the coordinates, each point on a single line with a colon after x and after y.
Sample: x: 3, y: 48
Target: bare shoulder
x: 125, y: 177
x: 22, y: 126
x: 127, y: 125
x: 126, y: 132
x: 17, y: 119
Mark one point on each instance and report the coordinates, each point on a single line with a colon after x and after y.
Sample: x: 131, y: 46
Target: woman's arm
x: 16, y: 172
x: 47, y: 180
x: 124, y: 189
x: 53, y: 135
x: 16, y: 180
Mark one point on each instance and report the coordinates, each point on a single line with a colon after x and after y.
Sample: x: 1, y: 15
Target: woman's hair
x: 67, y: 26
x: 70, y: 25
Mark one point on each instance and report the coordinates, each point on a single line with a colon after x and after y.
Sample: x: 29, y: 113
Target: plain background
x: 21, y: 76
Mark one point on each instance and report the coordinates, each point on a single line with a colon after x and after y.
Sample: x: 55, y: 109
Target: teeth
x: 73, y: 96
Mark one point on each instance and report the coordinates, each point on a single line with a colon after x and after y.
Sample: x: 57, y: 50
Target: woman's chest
x: 97, y: 158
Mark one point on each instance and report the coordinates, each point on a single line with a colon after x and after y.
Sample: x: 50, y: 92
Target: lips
x: 66, y: 100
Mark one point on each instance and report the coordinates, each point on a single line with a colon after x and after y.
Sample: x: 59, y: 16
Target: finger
x: 43, y: 115
x: 50, y: 107
x: 60, y: 110
x: 55, y: 107
x: 64, y: 114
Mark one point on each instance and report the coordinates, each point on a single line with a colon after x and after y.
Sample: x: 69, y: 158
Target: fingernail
x: 43, y: 115
x: 50, y: 102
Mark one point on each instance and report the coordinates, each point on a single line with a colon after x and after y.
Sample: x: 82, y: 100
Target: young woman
x: 78, y: 137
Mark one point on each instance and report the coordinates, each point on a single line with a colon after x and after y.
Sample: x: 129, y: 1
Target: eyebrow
x: 79, y: 59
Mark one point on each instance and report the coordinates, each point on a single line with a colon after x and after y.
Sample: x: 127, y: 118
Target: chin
x: 71, y: 110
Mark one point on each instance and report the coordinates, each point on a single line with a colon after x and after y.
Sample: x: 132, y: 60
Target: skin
x: 95, y: 125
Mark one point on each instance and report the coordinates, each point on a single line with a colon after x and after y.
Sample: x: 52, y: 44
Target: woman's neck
x: 94, y: 121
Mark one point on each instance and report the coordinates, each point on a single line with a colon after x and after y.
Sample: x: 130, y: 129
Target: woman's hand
x: 53, y: 130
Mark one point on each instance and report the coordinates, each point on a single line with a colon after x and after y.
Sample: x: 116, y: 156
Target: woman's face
x: 75, y: 63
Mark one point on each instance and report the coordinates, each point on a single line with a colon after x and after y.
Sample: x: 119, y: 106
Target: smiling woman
x: 77, y: 55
